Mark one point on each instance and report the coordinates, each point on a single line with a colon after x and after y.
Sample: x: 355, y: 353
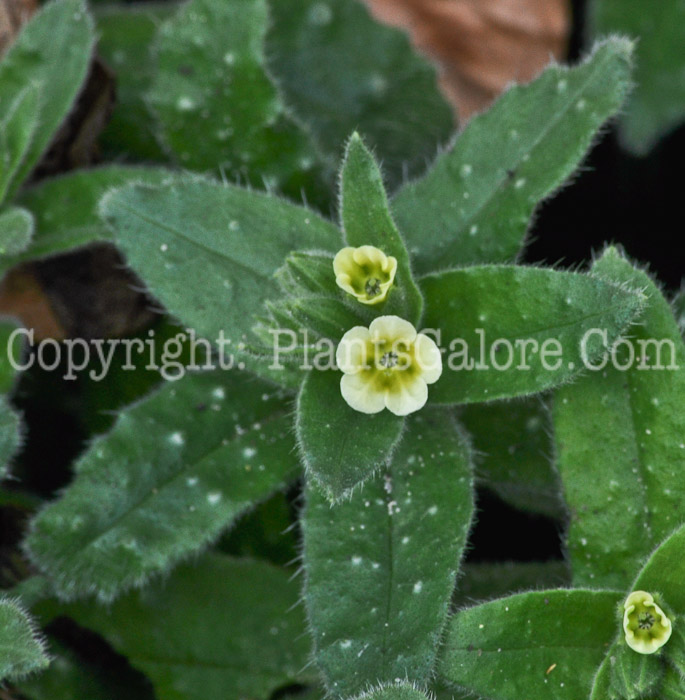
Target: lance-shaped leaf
x: 377, y: 76
x: 52, y: 52
x: 509, y: 331
x: 22, y: 649
x: 126, y: 33
x: 10, y: 353
x: 673, y: 687
x: 10, y: 422
x: 476, y: 202
x: 542, y: 645
x: 381, y: 566
x: 366, y: 220
x: 656, y: 104
x: 227, y: 241
x: 16, y: 230
x: 635, y: 676
x: 18, y: 123
x: 514, y: 448
x: 663, y: 573
x: 210, y: 75
x: 341, y: 447
x: 10, y: 435
x: 65, y: 208
x: 176, y: 470
x: 620, y: 438
x: 678, y: 304
x: 394, y: 691
x: 223, y: 628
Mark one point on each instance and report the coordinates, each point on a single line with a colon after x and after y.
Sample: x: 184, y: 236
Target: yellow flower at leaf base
x: 387, y: 365
x: 645, y: 624
x: 366, y: 273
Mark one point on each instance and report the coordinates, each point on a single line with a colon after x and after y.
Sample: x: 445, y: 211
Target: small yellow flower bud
x: 645, y: 624
x: 387, y: 365
x: 366, y: 273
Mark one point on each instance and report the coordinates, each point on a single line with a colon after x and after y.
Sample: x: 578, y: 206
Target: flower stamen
x: 389, y: 360
x: 645, y: 621
x: 372, y: 287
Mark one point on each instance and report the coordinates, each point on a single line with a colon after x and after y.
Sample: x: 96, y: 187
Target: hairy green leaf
x: 176, y: 470
x: 52, y: 52
x: 65, y: 208
x: 22, y: 649
x: 209, y: 251
x: 394, y: 691
x: 678, y: 305
x: 10, y: 352
x: 324, y: 316
x: 210, y: 76
x: 542, y: 645
x: 18, y: 124
x: 341, y: 447
x: 620, y: 438
x: 476, y: 202
x: 664, y: 572
x: 381, y: 566
x: 657, y: 104
x: 634, y: 676
x: 341, y: 70
x: 10, y: 422
x: 514, y: 450
x: 16, y: 230
x: 673, y: 687
x: 126, y: 33
x: 518, y: 330
x: 10, y: 435
x: 222, y: 628
x: 366, y: 220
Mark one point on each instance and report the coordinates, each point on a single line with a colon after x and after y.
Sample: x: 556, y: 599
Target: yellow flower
x: 387, y: 365
x: 645, y: 624
x: 366, y: 273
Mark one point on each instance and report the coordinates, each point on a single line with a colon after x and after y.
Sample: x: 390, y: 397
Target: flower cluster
x: 387, y: 365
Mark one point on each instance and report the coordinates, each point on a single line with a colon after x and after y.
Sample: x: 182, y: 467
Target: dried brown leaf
x: 13, y: 14
x: 482, y: 45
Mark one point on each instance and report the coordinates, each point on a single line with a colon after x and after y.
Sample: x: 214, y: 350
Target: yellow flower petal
x: 360, y: 394
x: 354, y: 352
x: 405, y: 397
x: 343, y: 261
x: 390, y: 329
x: 428, y: 358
